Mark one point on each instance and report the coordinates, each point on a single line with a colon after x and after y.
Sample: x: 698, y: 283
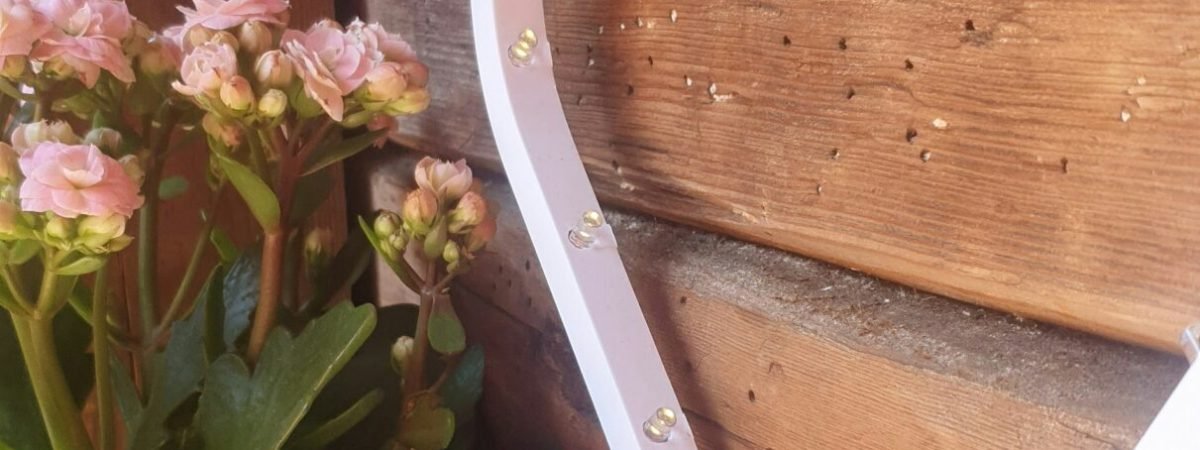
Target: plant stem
x: 101, y: 352
x: 270, y: 279
x: 59, y: 412
x: 413, y: 380
x: 148, y: 239
x: 189, y: 273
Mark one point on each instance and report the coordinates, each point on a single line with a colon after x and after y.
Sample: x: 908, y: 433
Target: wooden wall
x: 1035, y: 157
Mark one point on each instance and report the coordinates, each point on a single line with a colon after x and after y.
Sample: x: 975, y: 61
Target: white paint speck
x: 591, y: 62
x: 687, y: 80
x: 940, y: 123
x: 600, y: 30
x: 640, y: 22
x: 628, y: 187
x: 1141, y: 81
x: 1125, y: 115
x: 622, y: 26
x: 674, y: 16
x: 712, y: 88
x: 826, y: 288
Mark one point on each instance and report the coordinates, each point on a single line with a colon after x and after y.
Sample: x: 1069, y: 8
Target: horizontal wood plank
x: 1035, y: 157
x: 772, y: 350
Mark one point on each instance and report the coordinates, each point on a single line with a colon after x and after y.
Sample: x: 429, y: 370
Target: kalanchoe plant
x: 93, y: 103
x: 446, y: 223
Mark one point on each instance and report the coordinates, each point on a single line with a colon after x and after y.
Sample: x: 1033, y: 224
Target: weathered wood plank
x: 771, y: 350
x: 1034, y: 157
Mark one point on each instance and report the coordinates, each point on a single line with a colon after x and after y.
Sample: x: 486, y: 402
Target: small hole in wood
x: 510, y: 283
x: 683, y: 300
x: 925, y: 155
x: 629, y: 89
x: 578, y: 99
x: 842, y: 44
x: 835, y: 154
x: 589, y: 49
x: 969, y: 25
x: 500, y: 269
x: 787, y: 41
x: 908, y: 65
x: 750, y: 395
x: 910, y: 135
x: 850, y: 93
x: 1064, y: 165
x: 556, y: 51
x: 527, y: 265
x: 616, y: 165
x: 528, y: 301
x: 650, y: 59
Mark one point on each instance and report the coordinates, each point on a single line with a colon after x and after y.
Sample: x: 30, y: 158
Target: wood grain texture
x: 1035, y: 157
x: 772, y: 350
x: 179, y: 220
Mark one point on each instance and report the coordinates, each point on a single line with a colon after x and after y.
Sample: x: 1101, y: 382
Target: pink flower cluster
x: 74, y: 180
x: 78, y: 37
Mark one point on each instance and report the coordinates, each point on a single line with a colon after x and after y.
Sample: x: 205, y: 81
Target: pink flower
x: 376, y: 38
x: 224, y: 14
x: 446, y: 179
x: 74, y: 180
x: 87, y: 36
x: 20, y: 27
x: 331, y: 62
x: 206, y: 69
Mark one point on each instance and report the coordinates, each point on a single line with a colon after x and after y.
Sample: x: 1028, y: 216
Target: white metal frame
x: 1176, y: 426
x: 616, y: 353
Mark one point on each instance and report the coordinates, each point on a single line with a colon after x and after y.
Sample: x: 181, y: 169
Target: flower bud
x: 396, y: 244
x: 159, y: 58
x: 224, y: 131
x: 416, y: 73
x: 255, y: 37
x: 420, y: 208
x: 197, y: 36
x: 272, y: 104
x: 274, y: 70
x: 385, y: 83
x: 402, y: 350
x: 316, y: 251
x: 237, y: 95
x: 483, y: 233
x: 58, y: 69
x: 26, y: 136
x: 10, y: 172
x: 133, y: 168
x: 10, y: 216
x: 14, y: 66
x: 386, y: 224
x: 96, y: 232
x: 411, y: 102
x: 227, y: 38
x: 469, y: 212
x: 135, y: 42
x: 58, y: 231
x: 450, y: 253
x: 106, y: 139
x: 328, y: 23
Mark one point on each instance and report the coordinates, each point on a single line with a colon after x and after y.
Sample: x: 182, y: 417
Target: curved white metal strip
x: 603, y: 320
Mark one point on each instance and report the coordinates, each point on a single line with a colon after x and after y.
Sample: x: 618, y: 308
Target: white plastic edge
x: 603, y: 320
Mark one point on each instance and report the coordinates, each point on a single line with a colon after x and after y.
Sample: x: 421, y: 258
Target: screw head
x: 666, y: 415
x: 593, y: 219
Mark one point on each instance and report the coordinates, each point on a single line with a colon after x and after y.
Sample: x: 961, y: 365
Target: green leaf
x: 172, y: 187
x: 311, y: 192
x: 329, y: 156
x: 226, y: 249
x: 464, y: 387
x: 86, y: 264
x: 258, y: 195
x: 21, y: 424
x: 329, y: 431
x: 23, y: 250
x: 446, y: 334
x: 427, y: 426
x: 178, y: 373
x: 214, y: 315
x: 240, y: 295
x: 401, y: 269
x: 244, y: 411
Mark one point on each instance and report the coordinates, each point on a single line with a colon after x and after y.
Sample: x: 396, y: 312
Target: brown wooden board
x: 1035, y: 157
x: 772, y: 350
